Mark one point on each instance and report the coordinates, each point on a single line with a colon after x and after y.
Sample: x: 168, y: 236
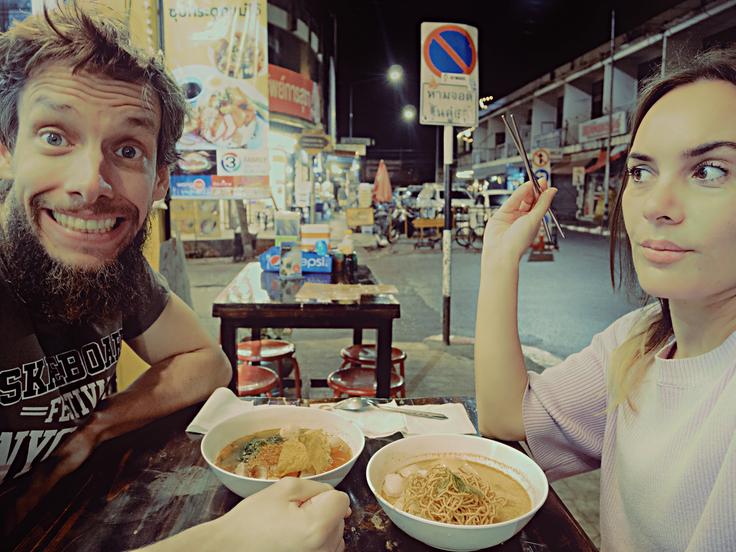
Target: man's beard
x: 68, y: 294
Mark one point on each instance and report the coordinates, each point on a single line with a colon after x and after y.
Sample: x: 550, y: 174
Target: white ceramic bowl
x: 260, y: 418
x: 445, y: 536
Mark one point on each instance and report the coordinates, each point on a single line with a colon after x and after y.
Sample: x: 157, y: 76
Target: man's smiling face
x: 84, y: 165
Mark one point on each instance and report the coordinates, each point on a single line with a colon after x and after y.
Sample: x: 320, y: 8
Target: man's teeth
x: 97, y: 226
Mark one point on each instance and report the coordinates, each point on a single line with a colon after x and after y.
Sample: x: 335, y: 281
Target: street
x: 562, y: 304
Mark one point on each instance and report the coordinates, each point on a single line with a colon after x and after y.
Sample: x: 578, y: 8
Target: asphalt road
x: 562, y: 304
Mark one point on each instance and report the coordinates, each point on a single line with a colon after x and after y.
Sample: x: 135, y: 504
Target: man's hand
x: 292, y: 514
x: 68, y: 456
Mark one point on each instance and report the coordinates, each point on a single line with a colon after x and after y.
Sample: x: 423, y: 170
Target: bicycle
x: 470, y: 236
x: 470, y: 231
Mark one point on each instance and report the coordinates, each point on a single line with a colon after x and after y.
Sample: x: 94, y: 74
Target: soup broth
x: 284, y: 452
x: 456, y: 490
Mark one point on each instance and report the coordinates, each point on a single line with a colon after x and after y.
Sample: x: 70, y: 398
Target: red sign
x: 290, y: 93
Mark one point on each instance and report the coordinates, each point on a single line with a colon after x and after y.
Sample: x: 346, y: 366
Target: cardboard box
x: 359, y: 217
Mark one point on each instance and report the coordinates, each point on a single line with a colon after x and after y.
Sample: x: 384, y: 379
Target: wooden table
x: 258, y: 299
x: 153, y: 483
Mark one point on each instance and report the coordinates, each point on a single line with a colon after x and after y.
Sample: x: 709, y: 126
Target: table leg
x: 383, y: 360
x: 255, y: 334
x: 228, y: 334
x: 357, y: 336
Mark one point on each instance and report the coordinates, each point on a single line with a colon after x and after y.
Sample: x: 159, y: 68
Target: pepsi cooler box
x: 311, y: 262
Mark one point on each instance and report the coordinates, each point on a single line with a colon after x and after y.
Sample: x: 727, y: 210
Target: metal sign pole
x: 448, y: 98
x: 607, y: 173
x: 447, y: 237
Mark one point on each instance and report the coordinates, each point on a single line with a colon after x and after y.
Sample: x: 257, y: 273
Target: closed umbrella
x: 382, y: 185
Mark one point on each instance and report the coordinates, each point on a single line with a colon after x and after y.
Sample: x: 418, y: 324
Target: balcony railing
x: 548, y: 139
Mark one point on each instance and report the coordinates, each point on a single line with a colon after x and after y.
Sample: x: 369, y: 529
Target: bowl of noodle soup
x: 250, y: 451
x: 456, y: 492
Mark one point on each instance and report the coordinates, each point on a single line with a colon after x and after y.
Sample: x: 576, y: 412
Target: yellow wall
x: 131, y: 365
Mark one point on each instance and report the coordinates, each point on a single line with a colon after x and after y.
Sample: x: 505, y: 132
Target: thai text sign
x: 291, y: 93
x: 449, y: 75
x: 598, y: 128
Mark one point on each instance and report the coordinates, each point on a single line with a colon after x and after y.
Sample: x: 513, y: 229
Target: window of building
x: 597, y: 99
x: 500, y: 138
x: 558, y: 115
x: 647, y: 69
x: 722, y: 39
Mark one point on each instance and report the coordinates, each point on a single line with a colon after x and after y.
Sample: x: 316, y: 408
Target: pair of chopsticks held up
x: 514, y: 131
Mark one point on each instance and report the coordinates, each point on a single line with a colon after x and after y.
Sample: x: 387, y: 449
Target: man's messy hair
x: 91, y: 40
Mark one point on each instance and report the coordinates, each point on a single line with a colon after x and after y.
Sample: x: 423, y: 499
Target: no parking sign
x: 449, y: 75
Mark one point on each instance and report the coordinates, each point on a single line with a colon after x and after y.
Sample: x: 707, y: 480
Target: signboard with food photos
x: 218, y: 52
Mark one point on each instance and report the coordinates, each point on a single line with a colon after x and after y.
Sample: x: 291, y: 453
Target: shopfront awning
x: 568, y: 161
x: 600, y: 161
x: 592, y: 160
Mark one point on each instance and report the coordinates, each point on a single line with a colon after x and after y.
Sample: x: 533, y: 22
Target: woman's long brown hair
x: 632, y: 358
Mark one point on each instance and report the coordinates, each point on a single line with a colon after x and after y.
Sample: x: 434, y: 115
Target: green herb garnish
x: 464, y: 487
x: 253, y: 446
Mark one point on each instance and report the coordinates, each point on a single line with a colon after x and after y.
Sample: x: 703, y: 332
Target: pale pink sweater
x: 668, y: 473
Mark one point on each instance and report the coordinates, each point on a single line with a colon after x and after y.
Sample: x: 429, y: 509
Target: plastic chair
x: 361, y: 382
x: 256, y: 380
x: 365, y: 356
x: 275, y: 351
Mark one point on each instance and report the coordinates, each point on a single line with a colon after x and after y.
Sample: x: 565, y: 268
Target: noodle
x: 447, y: 496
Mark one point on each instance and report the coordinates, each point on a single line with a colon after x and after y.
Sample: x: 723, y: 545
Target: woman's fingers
x: 298, y: 490
x: 329, y: 505
x: 523, y: 195
x: 544, y: 202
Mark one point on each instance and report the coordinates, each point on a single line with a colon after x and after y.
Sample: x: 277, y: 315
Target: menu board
x: 218, y: 53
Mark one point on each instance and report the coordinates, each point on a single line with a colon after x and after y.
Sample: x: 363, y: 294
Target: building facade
x: 569, y: 111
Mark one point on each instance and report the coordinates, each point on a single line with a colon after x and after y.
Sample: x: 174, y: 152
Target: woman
x: 652, y: 400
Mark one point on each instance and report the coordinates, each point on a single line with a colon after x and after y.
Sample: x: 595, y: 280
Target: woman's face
x: 679, y: 205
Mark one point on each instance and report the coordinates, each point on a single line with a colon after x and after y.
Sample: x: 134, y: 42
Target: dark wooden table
x: 258, y: 299
x: 153, y: 483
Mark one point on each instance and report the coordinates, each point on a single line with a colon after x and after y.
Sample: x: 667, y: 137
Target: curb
x: 595, y: 230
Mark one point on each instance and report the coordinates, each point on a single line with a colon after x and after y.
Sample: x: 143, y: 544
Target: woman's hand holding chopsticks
x: 515, y: 225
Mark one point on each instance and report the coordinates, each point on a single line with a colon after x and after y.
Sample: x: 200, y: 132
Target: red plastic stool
x: 256, y: 380
x: 365, y: 355
x: 361, y: 382
x: 271, y: 350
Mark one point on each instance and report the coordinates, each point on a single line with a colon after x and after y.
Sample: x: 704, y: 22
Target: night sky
x: 519, y: 41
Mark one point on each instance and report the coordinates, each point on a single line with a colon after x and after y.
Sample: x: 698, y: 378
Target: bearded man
x: 88, y: 127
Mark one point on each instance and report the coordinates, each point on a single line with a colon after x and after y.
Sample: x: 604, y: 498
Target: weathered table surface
x: 258, y: 299
x: 153, y: 483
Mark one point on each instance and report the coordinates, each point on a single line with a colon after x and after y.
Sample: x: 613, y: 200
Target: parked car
x: 459, y: 198
x: 492, y: 199
x: 434, y: 195
x: 409, y: 197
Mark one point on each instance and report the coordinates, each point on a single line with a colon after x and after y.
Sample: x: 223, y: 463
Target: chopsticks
x: 514, y: 131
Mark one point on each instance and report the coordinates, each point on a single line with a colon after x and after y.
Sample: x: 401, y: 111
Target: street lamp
x: 409, y: 113
x: 394, y: 75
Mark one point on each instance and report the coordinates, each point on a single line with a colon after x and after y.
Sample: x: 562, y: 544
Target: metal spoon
x: 356, y: 404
